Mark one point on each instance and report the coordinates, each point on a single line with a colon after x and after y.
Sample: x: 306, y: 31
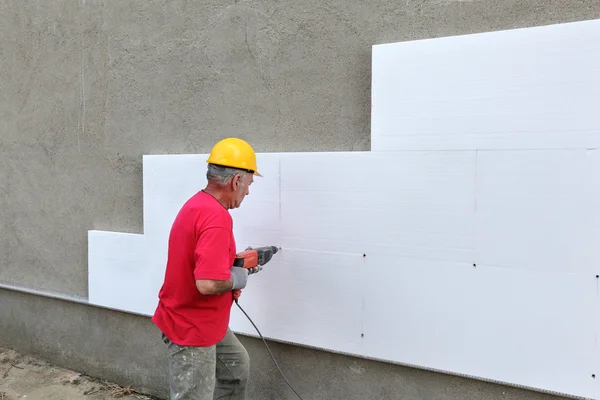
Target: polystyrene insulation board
x: 365, y: 202
x: 595, y: 215
x: 539, y: 210
x: 518, y: 326
x: 308, y: 297
x: 117, y: 273
x: 528, y: 88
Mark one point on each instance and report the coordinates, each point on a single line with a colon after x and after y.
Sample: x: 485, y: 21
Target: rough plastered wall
x: 88, y: 87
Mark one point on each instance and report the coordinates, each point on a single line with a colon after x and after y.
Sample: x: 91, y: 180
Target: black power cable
x: 267, y: 346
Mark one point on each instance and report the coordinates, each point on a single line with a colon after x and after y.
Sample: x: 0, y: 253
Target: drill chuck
x: 266, y: 253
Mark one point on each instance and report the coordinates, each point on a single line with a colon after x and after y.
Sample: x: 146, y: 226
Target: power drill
x: 252, y: 258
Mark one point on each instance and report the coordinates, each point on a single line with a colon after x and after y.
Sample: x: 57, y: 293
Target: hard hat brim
x: 255, y: 173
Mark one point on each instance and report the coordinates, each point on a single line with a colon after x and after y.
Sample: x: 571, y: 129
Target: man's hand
x: 239, y: 277
x: 254, y: 270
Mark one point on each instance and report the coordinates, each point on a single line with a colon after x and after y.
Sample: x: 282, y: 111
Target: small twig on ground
x: 87, y: 393
x: 117, y: 391
x: 10, y: 362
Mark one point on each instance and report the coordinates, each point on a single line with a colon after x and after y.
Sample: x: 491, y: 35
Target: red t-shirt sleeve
x: 212, y: 255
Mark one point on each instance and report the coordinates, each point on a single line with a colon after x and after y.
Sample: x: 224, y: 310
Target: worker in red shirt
x: 206, y: 360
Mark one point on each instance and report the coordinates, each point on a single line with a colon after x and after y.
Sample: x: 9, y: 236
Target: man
x: 206, y: 360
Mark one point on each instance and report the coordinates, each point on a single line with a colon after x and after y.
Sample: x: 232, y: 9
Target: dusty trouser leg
x: 191, y: 372
x: 233, y: 369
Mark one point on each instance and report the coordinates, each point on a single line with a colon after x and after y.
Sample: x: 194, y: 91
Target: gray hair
x: 221, y: 176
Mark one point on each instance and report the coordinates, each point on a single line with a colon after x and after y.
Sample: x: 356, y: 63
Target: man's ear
x: 236, y: 182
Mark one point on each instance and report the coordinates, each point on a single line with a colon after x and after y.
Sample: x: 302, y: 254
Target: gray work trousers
x: 208, y: 373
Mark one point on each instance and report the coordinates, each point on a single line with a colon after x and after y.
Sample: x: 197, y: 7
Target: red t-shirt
x: 201, y: 246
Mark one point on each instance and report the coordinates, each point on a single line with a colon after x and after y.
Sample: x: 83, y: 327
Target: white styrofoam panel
x: 260, y: 210
x: 381, y: 220
x: 418, y: 204
x: 524, y: 88
x: 595, y: 216
x: 522, y: 327
x: 596, y: 353
x: 307, y: 297
x: 535, y: 210
x: 367, y: 171
x: 117, y: 274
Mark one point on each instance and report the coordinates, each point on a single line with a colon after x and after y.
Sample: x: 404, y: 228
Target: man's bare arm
x: 237, y: 280
x: 210, y: 287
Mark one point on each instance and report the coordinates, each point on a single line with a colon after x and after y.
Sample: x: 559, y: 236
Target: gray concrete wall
x: 88, y: 87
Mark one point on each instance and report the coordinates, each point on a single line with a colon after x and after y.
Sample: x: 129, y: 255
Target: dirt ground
x: 25, y: 377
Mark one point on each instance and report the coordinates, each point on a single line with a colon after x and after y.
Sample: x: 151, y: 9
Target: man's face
x: 240, y: 189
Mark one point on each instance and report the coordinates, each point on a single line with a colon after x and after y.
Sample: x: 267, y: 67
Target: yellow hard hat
x: 234, y: 153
